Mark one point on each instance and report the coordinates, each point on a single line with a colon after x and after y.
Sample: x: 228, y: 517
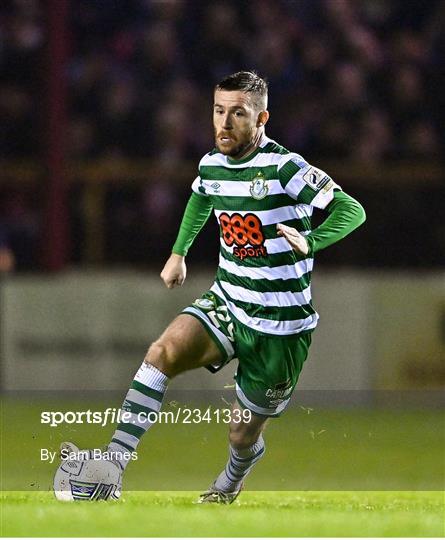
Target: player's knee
x: 161, y: 355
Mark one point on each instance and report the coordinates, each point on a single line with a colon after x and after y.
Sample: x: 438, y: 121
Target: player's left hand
x: 295, y: 239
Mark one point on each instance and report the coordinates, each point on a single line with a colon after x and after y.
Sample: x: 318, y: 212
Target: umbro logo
x: 215, y: 186
x: 126, y: 406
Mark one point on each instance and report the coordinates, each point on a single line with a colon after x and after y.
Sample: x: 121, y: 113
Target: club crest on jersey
x: 258, y: 187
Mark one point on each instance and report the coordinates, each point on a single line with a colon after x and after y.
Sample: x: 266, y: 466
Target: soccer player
x: 259, y: 309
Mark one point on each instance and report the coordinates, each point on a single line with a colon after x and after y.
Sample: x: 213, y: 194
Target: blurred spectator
x: 19, y: 230
x: 119, y: 121
x: 374, y: 138
x: 18, y: 134
x: 7, y: 259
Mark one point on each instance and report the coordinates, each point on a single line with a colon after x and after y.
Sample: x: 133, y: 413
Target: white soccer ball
x: 87, y: 480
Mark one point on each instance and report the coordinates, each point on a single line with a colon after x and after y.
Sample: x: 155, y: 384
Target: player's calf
x: 243, y: 435
x: 245, y: 431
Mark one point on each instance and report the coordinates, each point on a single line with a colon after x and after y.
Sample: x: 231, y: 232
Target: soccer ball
x: 87, y: 478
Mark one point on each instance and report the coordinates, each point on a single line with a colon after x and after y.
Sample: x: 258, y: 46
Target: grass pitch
x: 389, y: 514
x: 353, y: 472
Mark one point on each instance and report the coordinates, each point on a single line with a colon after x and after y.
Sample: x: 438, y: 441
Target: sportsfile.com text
x: 114, y: 415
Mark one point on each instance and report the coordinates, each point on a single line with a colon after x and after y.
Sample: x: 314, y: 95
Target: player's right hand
x: 174, y: 271
x: 297, y: 241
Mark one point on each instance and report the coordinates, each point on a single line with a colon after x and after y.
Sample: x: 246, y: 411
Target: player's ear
x: 262, y: 119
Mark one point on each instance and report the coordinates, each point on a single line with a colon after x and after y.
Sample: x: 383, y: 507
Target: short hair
x: 249, y: 82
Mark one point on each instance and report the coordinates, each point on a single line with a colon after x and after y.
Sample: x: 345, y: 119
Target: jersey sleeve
x: 305, y: 183
x: 198, y: 187
x: 345, y: 215
x: 196, y: 214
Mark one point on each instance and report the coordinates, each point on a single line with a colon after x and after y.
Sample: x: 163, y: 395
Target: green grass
x: 352, y: 472
x: 407, y: 514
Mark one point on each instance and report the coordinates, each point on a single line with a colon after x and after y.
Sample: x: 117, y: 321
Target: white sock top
x: 150, y: 376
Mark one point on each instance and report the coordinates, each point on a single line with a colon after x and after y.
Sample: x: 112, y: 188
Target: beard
x: 235, y: 151
x: 238, y: 150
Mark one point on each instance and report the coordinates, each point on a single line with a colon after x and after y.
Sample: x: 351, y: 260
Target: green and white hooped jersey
x: 266, y: 285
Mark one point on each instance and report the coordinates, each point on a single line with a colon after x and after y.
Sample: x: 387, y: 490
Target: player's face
x: 236, y: 123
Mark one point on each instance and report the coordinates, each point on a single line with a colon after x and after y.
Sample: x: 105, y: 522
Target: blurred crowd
x: 356, y: 80
x: 140, y: 74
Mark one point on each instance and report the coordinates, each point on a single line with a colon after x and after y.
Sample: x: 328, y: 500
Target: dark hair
x: 246, y: 81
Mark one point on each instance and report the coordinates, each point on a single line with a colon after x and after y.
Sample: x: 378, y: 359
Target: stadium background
x: 105, y: 110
